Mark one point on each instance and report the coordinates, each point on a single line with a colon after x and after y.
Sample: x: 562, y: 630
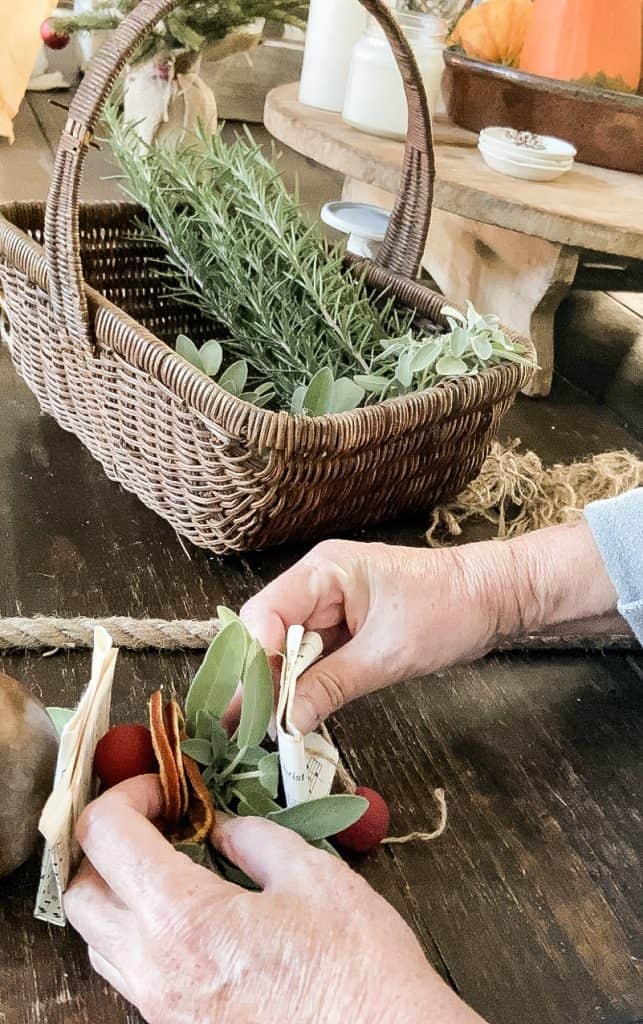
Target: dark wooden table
x: 530, y: 904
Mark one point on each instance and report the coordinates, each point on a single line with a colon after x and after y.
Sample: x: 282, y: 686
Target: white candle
x: 334, y: 26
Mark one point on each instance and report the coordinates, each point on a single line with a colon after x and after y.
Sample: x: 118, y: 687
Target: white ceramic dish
x: 529, y: 172
x: 522, y: 156
x: 544, y: 147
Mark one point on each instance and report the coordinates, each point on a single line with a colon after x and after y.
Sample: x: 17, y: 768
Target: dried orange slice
x: 175, y: 729
x: 170, y: 781
x: 189, y: 812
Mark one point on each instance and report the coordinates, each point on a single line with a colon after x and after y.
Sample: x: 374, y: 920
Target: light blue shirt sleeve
x: 617, y: 526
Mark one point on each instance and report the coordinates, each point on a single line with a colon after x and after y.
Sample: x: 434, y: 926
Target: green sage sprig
x: 241, y: 773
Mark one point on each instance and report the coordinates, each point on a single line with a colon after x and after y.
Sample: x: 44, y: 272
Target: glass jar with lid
x: 375, y: 100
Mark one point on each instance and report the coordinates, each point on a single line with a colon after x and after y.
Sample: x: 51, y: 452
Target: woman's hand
x: 394, y: 613
x: 181, y: 944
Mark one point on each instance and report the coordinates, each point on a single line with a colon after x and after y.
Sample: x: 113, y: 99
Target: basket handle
x: 403, y: 246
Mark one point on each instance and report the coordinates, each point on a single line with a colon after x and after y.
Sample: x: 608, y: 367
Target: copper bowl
x: 606, y: 127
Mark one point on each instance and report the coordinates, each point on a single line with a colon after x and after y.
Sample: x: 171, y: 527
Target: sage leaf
x: 230, y: 873
x: 188, y: 350
x: 253, y: 756
x: 372, y: 382
x: 199, y: 750
x: 482, y: 347
x: 234, y: 378
x: 459, y: 342
x: 261, y: 401
x: 225, y: 616
x: 59, y: 717
x: 515, y: 357
x: 346, y: 395
x: 219, y: 740
x: 199, y: 853
x: 297, y: 404
x: 215, y: 683
x: 403, y: 371
x: 500, y: 338
x: 258, y: 697
x: 269, y: 774
x: 449, y: 366
x: 323, y: 844
x: 203, y: 725
x: 318, y: 819
x: 319, y: 393
x: 425, y: 356
x: 257, y: 800
x: 211, y: 355
x: 449, y: 311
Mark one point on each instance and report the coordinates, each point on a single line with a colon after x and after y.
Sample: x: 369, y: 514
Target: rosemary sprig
x: 302, y: 332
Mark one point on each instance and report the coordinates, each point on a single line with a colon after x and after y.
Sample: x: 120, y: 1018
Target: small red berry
x: 123, y: 753
x: 54, y: 40
x: 367, y: 833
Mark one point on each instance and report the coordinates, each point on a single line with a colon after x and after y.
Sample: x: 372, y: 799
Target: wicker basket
x: 87, y: 318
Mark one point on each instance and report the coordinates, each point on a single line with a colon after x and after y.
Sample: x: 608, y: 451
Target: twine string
x: 348, y: 784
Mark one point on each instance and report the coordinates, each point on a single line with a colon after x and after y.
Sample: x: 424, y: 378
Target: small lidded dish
x: 522, y: 154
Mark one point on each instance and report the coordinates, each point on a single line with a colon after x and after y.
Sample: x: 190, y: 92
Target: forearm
x: 551, y: 576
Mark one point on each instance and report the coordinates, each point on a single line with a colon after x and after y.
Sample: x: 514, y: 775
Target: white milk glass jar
x: 375, y: 100
x: 334, y: 26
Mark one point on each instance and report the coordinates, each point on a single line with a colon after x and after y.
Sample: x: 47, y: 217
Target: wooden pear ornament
x: 28, y: 749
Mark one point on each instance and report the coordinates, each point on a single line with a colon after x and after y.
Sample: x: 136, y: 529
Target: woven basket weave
x: 88, y: 316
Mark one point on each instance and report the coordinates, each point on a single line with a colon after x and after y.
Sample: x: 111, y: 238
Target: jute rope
x: 42, y: 632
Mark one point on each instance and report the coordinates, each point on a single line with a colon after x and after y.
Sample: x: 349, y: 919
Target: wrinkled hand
x: 386, y: 614
x: 317, y: 944
x: 394, y: 613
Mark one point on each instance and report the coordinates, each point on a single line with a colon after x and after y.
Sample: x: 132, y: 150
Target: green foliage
x: 60, y: 717
x: 301, y: 332
x: 243, y: 776
x: 258, y: 698
x: 604, y: 82
x: 215, y: 683
x: 319, y: 819
x: 190, y: 27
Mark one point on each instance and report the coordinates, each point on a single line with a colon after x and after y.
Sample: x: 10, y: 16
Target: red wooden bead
x: 52, y: 39
x: 367, y: 833
x: 123, y: 753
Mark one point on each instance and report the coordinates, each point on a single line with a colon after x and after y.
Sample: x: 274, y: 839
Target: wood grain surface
x: 530, y: 903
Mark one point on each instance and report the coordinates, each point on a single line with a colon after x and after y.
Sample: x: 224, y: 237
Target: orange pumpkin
x: 494, y: 31
x: 576, y: 39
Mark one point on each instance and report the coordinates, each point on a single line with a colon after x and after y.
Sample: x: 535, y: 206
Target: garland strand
x: 44, y: 633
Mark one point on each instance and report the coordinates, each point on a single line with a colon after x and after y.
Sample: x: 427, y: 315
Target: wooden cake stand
x: 513, y: 247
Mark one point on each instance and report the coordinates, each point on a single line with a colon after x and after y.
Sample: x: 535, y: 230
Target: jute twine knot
x: 516, y: 493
